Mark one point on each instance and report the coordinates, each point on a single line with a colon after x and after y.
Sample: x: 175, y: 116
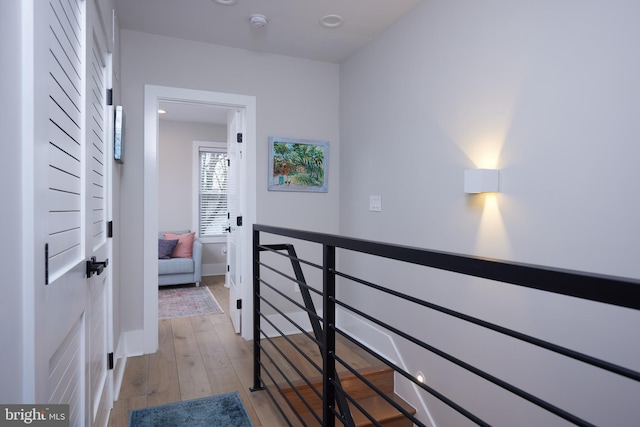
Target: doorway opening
x: 193, y: 177
x: 154, y: 95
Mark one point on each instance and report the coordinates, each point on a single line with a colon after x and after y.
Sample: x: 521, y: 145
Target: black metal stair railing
x: 615, y: 291
x: 323, y: 342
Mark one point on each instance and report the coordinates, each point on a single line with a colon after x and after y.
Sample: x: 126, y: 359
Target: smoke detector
x: 258, y: 21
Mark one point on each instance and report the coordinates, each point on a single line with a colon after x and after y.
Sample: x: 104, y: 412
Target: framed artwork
x: 298, y: 165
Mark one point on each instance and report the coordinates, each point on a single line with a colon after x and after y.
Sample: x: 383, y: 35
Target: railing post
x: 257, y: 385
x: 329, y: 335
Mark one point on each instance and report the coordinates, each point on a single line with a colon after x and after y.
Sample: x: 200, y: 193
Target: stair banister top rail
x: 619, y: 291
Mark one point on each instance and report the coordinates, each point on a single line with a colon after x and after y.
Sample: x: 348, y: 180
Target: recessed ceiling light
x: 331, y: 21
x: 161, y: 111
x: 226, y: 2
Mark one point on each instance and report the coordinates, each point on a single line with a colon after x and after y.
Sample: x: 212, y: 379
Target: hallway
x: 197, y: 356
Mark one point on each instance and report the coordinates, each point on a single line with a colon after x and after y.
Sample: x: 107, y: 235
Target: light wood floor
x: 202, y: 356
x: 198, y: 356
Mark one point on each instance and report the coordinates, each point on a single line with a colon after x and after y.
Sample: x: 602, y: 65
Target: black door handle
x: 228, y: 229
x: 94, y: 266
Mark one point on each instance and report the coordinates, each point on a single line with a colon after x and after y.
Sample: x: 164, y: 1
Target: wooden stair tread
x: 381, y: 410
x: 378, y: 408
x: 380, y: 376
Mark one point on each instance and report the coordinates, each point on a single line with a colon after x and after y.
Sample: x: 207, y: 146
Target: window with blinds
x: 212, y: 192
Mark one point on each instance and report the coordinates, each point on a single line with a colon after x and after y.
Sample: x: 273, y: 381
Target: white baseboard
x: 132, y: 343
x: 119, y: 364
x: 118, y: 375
x: 374, y: 338
x: 214, y: 269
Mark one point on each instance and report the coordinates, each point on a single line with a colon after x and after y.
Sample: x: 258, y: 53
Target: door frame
x: 152, y: 95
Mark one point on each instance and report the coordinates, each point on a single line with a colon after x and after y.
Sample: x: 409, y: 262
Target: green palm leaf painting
x: 298, y: 165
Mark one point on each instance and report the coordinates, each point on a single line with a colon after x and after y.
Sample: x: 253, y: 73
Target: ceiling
x: 293, y: 29
x: 193, y: 112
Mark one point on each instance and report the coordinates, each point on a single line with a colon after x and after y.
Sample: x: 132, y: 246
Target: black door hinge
x: 46, y: 263
x: 239, y: 137
x: 228, y: 215
x: 110, y: 229
x: 109, y: 96
x: 228, y: 268
x: 229, y: 162
x: 239, y: 221
x: 239, y: 304
x: 110, y: 361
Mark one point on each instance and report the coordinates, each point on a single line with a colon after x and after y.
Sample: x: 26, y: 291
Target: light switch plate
x: 375, y: 203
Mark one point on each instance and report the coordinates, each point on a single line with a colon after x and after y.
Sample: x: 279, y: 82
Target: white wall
x: 295, y: 98
x: 11, y: 219
x: 175, y: 180
x: 175, y: 161
x: 545, y: 91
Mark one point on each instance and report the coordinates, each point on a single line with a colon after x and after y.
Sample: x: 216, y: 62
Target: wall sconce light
x: 481, y: 181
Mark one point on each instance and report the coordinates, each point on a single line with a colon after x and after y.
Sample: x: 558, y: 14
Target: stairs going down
x: 381, y: 410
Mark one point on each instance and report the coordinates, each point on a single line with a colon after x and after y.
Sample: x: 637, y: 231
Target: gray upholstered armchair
x: 174, y: 271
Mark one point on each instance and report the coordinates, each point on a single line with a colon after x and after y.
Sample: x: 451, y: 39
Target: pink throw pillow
x: 184, y: 249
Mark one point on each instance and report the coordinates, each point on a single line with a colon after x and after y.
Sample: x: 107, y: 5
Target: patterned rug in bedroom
x: 186, y: 301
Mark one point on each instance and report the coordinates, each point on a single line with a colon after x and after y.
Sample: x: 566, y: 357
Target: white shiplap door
x: 98, y: 135
x: 234, y: 205
x: 71, y: 132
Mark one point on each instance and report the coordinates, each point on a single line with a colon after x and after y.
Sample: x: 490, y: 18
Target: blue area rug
x: 223, y: 410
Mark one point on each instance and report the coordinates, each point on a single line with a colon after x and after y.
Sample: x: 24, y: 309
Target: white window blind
x: 212, y: 192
